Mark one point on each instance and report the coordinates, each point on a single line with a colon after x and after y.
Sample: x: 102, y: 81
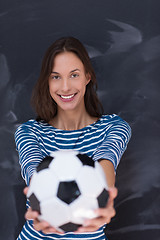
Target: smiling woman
x: 69, y: 116
x: 67, y: 50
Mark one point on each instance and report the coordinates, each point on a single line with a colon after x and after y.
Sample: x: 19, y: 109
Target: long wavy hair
x: 45, y: 107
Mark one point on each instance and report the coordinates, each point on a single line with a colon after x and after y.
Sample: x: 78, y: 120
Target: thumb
x: 25, y: 190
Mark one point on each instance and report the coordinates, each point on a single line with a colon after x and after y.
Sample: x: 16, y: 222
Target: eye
x: 55, y: 77
x: 74, y: 75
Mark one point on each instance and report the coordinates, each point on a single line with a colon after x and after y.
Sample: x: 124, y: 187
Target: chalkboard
x: 123, y: 41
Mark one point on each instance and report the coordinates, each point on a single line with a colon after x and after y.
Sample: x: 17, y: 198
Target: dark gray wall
x: 123, y: 40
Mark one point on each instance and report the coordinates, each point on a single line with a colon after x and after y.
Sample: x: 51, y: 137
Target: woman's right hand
x: 43, y: 226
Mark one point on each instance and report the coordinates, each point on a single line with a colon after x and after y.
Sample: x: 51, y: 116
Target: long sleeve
x: 28, y: 149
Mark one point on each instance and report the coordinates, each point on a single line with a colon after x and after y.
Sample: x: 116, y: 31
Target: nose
x: 65, y: 85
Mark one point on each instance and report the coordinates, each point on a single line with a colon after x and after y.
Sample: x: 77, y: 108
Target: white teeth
x: 67, y: 97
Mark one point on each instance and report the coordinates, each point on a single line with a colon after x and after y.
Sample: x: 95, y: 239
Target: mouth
x: 67, y: 97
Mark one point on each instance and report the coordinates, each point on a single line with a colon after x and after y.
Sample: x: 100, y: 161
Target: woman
x: 69, y: 116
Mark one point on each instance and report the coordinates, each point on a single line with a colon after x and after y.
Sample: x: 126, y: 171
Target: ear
x: 88, y: 77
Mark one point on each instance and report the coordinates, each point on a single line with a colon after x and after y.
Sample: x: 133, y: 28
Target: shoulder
x: 30, y: 127
x: 112, y: 118
x: 30, y: 124
x: 115, y: 122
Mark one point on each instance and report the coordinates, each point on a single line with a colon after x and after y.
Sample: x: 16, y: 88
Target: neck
x: 68, y: 120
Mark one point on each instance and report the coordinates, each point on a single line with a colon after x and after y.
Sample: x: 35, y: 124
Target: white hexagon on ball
x: 88, y: 182
x: 52, y: 211
x: 63, y: 164
x: 44, y: 185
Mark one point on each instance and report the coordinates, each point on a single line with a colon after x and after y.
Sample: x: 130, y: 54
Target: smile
x: 67, y: 96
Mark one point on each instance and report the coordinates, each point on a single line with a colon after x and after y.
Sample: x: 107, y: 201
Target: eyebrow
x: 70, y: 71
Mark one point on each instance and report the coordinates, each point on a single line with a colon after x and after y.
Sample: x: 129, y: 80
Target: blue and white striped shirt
x: 107, y: 138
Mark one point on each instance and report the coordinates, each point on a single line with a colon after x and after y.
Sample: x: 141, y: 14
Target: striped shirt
x: 107, y: 138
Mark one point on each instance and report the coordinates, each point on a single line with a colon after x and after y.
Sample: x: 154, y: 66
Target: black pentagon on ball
x: 45, y: 163
x: 70, y: 227
x: 103, y: 198
x: 68, y: 191
x: 34, y: 202
x: 86, y: 160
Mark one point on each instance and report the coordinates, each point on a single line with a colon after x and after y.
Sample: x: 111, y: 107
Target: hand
x: 38, y: 225
x: 104, y: 214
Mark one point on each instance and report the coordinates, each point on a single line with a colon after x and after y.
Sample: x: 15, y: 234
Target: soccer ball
x: 66, y: 188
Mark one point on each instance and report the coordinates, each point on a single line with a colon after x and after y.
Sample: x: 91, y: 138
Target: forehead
x: 67, y: 60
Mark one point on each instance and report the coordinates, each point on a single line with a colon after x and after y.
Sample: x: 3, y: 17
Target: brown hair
x: 44, y: 105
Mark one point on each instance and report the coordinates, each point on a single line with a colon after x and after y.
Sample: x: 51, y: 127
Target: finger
x: 25, y: 190
x: 51, y: 230
x: 113, y: 192
x: 112, y: 195
x: 85, y: 229
x: 107, y: 212
x: 40, y: 226
x: 96, y: 222
x: 44, y: 227
x: 31, y: 215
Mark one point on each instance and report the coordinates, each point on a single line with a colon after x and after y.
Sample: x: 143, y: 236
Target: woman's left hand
x: 104, y: 214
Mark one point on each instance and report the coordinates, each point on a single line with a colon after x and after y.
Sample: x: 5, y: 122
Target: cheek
x: 52, y: 87
x: 83, y: 89
x: 83, y: 83
x: 52, y: 92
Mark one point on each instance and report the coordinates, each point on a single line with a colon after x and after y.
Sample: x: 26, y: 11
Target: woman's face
x: 67, y: 82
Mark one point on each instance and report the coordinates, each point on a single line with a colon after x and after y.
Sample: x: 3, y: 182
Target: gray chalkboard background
x: 123, y: 40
